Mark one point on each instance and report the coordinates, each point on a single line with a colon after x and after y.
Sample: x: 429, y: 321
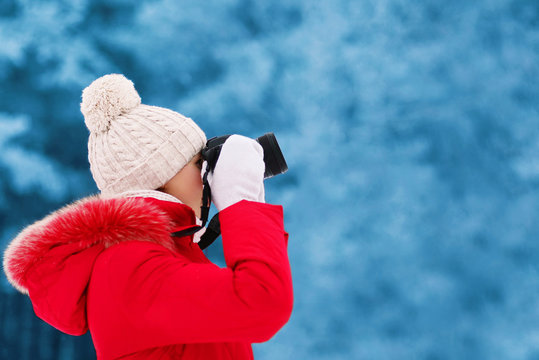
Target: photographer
x: 108, y: 263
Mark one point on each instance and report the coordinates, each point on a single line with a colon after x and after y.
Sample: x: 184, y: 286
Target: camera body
x: 273, y: 156
x: 275, y: 165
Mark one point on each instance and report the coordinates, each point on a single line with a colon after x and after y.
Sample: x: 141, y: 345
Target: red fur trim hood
x: 54, y: 257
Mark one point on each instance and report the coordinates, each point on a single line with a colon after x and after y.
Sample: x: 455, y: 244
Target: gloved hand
x: 238, y: 174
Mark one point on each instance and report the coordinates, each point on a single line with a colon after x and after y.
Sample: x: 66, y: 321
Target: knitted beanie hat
x: 133, y: 146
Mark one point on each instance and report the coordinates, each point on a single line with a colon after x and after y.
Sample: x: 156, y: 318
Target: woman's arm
x: 158, y: 298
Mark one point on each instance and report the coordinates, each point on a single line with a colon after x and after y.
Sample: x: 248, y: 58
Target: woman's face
x: 187, y: 186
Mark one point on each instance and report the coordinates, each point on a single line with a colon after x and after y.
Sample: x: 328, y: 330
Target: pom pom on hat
x: 105, y: 99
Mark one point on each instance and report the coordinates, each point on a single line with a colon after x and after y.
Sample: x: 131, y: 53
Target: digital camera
x: 273, y: 157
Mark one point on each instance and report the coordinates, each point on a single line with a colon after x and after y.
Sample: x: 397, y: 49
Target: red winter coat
x: 111, y: 266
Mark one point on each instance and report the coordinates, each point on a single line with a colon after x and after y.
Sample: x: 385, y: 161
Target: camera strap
x: 214, y: 227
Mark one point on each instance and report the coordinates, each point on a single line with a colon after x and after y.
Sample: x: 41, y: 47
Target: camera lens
x: 273, y: 156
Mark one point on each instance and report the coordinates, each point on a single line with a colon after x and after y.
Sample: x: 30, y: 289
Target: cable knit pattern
x: 133, y: 146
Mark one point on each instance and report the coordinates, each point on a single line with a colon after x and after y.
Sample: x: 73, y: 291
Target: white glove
x: 238, y: 174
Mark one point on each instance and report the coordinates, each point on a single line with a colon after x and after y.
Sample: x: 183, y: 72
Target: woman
x: 109, y: 264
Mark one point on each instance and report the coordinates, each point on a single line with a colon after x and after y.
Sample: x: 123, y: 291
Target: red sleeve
x: 168, y: 299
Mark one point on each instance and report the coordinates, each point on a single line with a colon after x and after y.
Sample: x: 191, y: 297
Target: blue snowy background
x: 411, y: 129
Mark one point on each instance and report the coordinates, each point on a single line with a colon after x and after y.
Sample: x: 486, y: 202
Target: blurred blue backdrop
x: 411, y: 129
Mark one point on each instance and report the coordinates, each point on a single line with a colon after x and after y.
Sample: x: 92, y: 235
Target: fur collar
x: 86, y: 223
